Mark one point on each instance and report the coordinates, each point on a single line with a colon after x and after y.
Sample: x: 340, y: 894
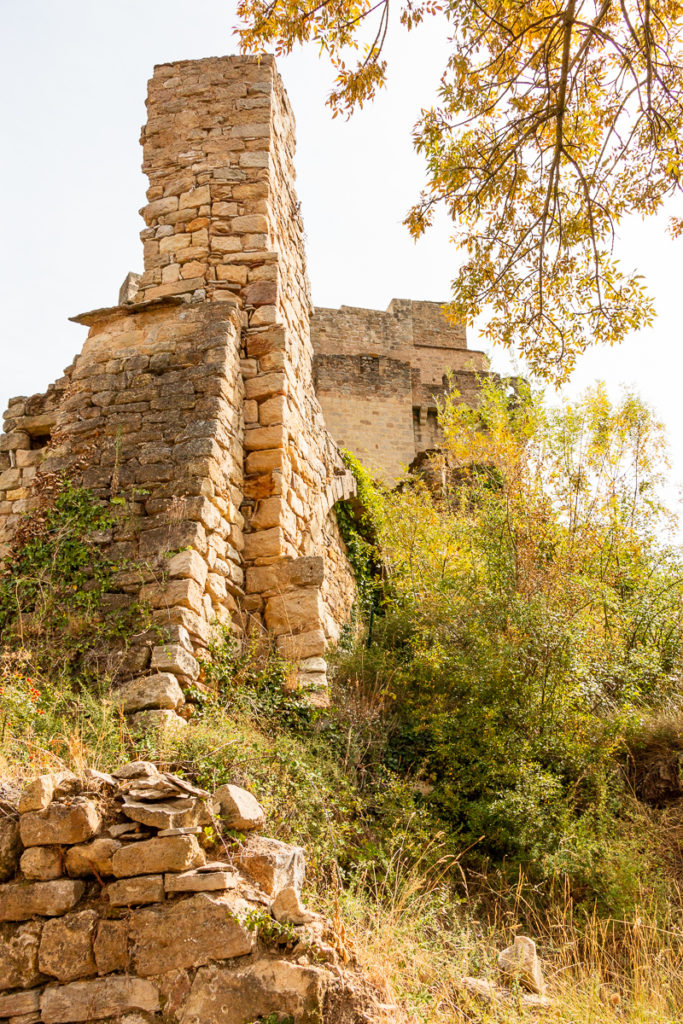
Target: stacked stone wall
x: 114, y: 906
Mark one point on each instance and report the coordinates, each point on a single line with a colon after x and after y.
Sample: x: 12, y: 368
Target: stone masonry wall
x: 114, y: 906
x: 193, y: 398
x: 230, y: 225
x: 378, y: 376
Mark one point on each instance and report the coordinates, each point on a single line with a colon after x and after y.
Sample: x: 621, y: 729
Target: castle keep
x: 214, y: 398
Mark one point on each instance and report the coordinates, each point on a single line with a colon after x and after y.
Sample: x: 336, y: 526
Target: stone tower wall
x: 378, y: 375
x: 194, y: 396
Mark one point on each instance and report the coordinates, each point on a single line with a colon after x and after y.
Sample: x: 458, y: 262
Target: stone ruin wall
x: 114, y: 906
x: 193, y: 398
x: 378, y: 376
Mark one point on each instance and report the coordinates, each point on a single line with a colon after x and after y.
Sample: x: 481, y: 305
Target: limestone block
x: 38, y: 794
x: 185, y: 592
x: 187, y: 565
x: 154, y: 856
x: 158, y: 691
x: 110, y: 946
x: 41, y: 863
x: 168, y: 814
x: 273, y: 864
x: 288, y: 909
x: 263, y: 315
x: 19, y: 1003
x: 97, y: 998
x: 265, y: 989
x: 60, y: 824
x: 264, y: 543
x: 20, y: 901
x: 266, y: 461
x: 263, y: 438
x: 200, y: 881
x: 520, y: 961
x: 298, y: 611
x: 186, y: 934
x: 195, y: 197
x: 260, y: 293
x: 19, y: 955
x: 273, y: 410
x: 91, y: 859
x: 265, y: 385
x: 66, y: 946
x: 248, y: 223
x: 10, y: 847
x: 308, y: 571
x: 131, y: 892
x: 269, y: 513
x: 239, y: 809
x: 157, y: 720
x: 174, y: 658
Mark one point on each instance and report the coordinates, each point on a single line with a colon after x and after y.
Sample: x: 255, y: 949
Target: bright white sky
x: 73, y: 80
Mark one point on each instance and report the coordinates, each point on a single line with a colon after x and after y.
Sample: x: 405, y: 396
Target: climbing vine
x: 359, y: 521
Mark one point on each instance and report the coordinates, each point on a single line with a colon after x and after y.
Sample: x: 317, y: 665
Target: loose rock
x: 274, y: 865
x: 239, y: 808
x: 520, y: 962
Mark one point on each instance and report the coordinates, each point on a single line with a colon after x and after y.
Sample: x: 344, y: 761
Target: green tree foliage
x: 534, y: 617
x: 554, y: 121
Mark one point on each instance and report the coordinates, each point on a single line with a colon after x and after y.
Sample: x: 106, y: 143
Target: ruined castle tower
x: 194, y: 397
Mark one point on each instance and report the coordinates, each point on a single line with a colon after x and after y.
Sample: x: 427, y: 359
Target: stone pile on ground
x: 520, y: 969
x: 139, y: 897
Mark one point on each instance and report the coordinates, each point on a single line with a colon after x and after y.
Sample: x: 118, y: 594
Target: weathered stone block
x: 200, y: 881
x: 303, y: 645
x: 298, y: 611
x: 66, y: 946
x: 221, y: 995
x: 10, y: 847
x: 162, y: 721
x: 167, y: 814
x: 20, y: 901
x: 186, y: 934
x: 97, y: 999
x: 160, y: 690
x: 60, y: 824
x: 272, y: 864
x: 110, y: 946
x: 38, y: 794
x: 174, y: 658
x: 239, y: 809
x: 130, y: 892
x: 91, y: 859
x: 19, y: 1003
x: 154, y: 856
x: 42, y: 863
x: 19, y: 955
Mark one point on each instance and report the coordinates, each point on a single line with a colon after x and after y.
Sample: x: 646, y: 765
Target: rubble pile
x: 140, y: 897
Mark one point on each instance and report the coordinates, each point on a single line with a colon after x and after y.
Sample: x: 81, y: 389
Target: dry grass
x: 417, y: 941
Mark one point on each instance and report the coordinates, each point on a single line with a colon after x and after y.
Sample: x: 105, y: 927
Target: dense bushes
x: 533, y: 618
